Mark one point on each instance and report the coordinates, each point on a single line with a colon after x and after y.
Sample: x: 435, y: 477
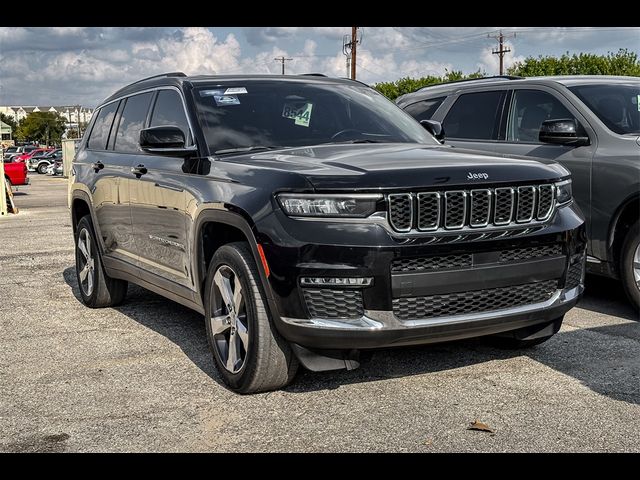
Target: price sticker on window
x: 300, y: 113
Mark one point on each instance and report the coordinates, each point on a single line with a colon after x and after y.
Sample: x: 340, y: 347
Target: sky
x: 84, y: 65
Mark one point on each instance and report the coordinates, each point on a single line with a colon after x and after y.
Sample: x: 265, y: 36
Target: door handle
x: 139, y: 170
x: 97, y: 166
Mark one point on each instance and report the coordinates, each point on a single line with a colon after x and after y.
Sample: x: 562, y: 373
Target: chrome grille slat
x: 455, y: 209
x: 401, y: 211
x: 428, y: 211
x: 474, y: 208
x: 545, y: 201
x: 526, y: 204
x: 504, y: 203
x: 480, y: 208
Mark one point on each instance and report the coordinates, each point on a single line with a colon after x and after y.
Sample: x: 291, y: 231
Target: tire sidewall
x: 85, y: 224
x: 626, y: 264
x: 42, y: 168
x: 230, y: 257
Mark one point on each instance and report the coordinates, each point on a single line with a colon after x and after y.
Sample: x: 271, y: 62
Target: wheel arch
x: 228, y: 227
x: 626, y: 215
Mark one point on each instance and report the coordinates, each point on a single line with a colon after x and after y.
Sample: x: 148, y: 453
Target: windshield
x: 618, y: 106
x: 249, y: 115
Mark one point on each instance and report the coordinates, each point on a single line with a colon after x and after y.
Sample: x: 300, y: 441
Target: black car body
x: 514, y: 115
x: 361, y: 231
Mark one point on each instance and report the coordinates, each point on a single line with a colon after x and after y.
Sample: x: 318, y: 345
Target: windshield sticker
x: 221, y: 97
x: 222, y: 100
x: 299, y: 112
x: 235, y: 91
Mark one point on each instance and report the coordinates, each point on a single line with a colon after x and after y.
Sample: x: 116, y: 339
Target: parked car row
x: 41, y: 161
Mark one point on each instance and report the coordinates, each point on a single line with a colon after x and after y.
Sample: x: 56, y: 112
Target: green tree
x: 393, y: 90
x: 43, y: 127
x: 9, y: 121
x: 623, y: 62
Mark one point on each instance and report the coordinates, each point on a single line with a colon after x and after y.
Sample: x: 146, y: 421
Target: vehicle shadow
x: 581, y: 353
x: 605, y: 295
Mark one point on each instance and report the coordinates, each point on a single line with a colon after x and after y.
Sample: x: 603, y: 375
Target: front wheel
x: 42, y: 168
x: 248, y: 351
x: 630, y: 265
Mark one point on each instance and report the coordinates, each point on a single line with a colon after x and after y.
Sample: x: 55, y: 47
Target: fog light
x: 336, y: 281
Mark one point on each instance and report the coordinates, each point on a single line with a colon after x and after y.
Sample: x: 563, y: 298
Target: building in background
x: 71, y: 113
x: 6, y: 132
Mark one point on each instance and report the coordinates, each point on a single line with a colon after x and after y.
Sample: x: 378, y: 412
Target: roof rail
x: 169, y: 74
x: 505, y: 77
x: 314, y: 74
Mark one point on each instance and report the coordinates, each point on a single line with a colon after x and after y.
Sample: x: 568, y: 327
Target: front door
x: 158, y: 202
x: 528, y: 109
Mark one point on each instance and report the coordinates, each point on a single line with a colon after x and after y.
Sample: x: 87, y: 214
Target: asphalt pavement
x: 140, y: 378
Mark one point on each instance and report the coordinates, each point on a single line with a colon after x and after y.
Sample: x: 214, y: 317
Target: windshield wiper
x: 253, y: 148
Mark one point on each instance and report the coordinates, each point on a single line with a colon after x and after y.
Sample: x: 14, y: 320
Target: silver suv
x: 590, y: 124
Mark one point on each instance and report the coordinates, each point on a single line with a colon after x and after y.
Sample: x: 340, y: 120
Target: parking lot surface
x: 139, y: 377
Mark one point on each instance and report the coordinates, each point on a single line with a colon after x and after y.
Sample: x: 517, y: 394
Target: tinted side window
x: 101, y: 127
x: 132, y: 121
x: 425, y: 109
x: 529, y: 108
x: 168, y: 110
x: 475, y: 115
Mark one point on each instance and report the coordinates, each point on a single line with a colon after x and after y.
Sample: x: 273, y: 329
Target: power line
x: 282, y: 59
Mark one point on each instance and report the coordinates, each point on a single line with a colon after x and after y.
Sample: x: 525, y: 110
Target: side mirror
x: 434, y: 128
x: 165, y: 140
x: 563, y: 132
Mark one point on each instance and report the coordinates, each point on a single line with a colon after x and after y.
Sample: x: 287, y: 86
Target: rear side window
x: 101, y: 127
x: 475, y: 116
x: 425, y: 109
x: 168, y: 110
x: 134, y: 116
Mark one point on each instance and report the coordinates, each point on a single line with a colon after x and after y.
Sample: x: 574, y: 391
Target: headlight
x: 318, y: 205
x: 563, y: 192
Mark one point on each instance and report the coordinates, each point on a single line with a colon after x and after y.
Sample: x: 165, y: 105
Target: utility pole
x: 282, y: 60
x: 501, y: 50
x: 354, y: 48
x: 349, y: 47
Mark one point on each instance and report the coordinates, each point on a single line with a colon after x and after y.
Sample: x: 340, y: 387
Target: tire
x: 97, y: 289
x: 519, y: 339
x: 630, y: 265
x: 263, y: 360
x: 42, y: 168
x: 9, y: 184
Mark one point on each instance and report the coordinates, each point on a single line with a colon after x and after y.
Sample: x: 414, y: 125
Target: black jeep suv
x: 310, y: 218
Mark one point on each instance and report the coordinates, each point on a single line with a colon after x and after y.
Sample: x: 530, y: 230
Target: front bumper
x: 296, y: 249
x: 376, y: 329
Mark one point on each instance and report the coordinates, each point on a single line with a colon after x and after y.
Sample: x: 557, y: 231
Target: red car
x: 17, y: 173
x: 23, y: 157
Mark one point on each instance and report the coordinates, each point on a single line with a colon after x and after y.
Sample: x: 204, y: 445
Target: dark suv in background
x: 590, y: 124
x: 308, y: 218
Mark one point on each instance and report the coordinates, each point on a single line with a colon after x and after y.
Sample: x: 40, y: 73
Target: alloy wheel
x: 229, y: 323
x: 86, y: 263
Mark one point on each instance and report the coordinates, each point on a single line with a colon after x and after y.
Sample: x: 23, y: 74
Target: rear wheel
x: 97, y: 289
x: 9, y: 184
x: 630, y: 265
x: 250, y: 354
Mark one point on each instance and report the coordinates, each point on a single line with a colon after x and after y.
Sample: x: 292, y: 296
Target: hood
x: 401, y: 166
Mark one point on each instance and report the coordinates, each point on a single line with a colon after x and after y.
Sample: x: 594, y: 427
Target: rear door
x: 474, y: 119
x: 107, y: 172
